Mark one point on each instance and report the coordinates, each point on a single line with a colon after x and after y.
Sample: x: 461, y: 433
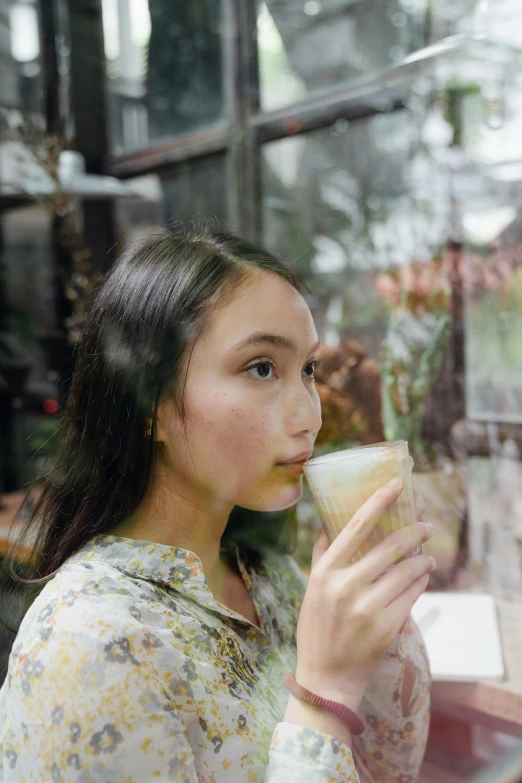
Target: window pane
x: 494, y: 332
x: 495, y: 495
x: 309, y: 45
x: 164, y: 63
x: 197, y: 190
x: 452, y: 16
x: 320, y: 44
x: 20, y: 54
x: 194, y: 191
x: 490, y: 203
x: 134, y: 215
x: 337, y: 201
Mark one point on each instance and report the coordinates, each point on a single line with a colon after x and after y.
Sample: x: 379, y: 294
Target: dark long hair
x: 148, y: 311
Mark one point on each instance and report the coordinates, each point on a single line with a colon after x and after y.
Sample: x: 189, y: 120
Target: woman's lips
x: 296, y: 464
x: 297, y: 468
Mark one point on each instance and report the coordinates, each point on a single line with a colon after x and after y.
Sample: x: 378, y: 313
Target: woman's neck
x: 170, y: 517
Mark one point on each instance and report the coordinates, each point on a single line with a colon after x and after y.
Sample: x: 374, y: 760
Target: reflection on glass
x: 495, y: 494
x: 312, y: 45
x: 319, y: 44
x: 364, y: 220
x: 407, y: 228
x: 197, y: 191
x: 344, y: 204
x: 447, y: 17
x: 134, y: 215
x: 488, y: 182
x: 164, y: 63
x: 194, y: 192
x: 493, y: 334
x: 498, y: 20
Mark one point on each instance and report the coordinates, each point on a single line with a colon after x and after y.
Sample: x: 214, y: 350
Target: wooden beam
x: 87, y: 82
x: 249, y: 92
x: 53, y: 108
x: 324, y: 110
x: 89, y: 110
x: 231, y: 41
x: 174, y: 150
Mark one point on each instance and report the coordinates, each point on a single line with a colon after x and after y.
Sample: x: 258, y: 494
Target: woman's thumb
x: 320, y: 547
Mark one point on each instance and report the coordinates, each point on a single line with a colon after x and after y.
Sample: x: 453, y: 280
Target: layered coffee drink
x: 342, y: 482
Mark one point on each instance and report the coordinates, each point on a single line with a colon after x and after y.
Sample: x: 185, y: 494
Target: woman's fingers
x: 394, y: 548
x: 399, y: 579
x: 349, y: 540
x: 320, y: 547
x: 401, y: 606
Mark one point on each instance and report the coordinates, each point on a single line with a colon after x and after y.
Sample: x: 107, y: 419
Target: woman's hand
x: 351, y: 614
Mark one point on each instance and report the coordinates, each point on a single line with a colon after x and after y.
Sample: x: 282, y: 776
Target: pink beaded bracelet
x: 352, y: 720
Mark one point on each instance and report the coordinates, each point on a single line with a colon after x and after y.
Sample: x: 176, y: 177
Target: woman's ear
x: 168, y: 421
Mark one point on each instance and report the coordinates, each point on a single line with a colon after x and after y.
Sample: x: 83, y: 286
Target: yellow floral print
x: 127, y: 670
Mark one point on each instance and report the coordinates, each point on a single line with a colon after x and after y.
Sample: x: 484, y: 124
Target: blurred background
x: 377, y: 148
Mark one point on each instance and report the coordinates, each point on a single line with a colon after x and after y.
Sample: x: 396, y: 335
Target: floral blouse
x: 127, y: 670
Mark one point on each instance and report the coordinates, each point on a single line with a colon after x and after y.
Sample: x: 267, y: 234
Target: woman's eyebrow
x: 275, y: 340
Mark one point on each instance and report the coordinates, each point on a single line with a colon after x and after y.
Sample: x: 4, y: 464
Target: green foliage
x: 411, y: 358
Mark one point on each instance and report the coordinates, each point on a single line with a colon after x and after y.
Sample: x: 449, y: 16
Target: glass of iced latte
x: 342, y: 481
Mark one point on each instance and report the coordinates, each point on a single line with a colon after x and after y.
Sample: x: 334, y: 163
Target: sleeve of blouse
x: 302, y: 755
x: 395, y: 710
x: 81, y: 709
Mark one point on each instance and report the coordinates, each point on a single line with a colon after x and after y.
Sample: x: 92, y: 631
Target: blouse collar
x: 173, y: 567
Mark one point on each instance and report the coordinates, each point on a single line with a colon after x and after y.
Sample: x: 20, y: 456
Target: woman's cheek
x: 226, y: 429
x: 253, y: 436
x: 241, y: 422
x: 247, y: 415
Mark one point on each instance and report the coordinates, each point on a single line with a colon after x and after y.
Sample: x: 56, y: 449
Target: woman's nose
x: 305, y: 417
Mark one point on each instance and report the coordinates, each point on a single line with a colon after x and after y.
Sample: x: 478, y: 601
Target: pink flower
x: 387, y: 289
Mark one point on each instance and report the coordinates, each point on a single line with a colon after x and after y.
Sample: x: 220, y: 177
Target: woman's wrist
x: 301, y: 713
x: 350, y: 695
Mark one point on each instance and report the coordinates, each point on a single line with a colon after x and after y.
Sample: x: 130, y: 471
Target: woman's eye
x: 262, y: 371
x: 309, y: 370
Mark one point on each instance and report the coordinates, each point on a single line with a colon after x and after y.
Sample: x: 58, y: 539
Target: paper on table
x: 461, y: 635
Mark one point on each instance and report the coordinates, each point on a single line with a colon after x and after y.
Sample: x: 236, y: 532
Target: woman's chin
x: 284, y: 497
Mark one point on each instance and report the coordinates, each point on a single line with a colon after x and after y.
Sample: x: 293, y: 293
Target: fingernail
x: 395, y: 483
x: 433, y: 563
x: 429, y: 526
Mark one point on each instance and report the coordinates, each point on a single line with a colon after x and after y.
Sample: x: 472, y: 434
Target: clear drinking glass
x: 341, y: 482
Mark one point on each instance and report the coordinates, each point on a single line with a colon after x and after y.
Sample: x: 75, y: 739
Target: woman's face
x: 252, y: 412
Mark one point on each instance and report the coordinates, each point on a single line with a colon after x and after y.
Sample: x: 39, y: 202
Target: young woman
x: 156, y: 649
